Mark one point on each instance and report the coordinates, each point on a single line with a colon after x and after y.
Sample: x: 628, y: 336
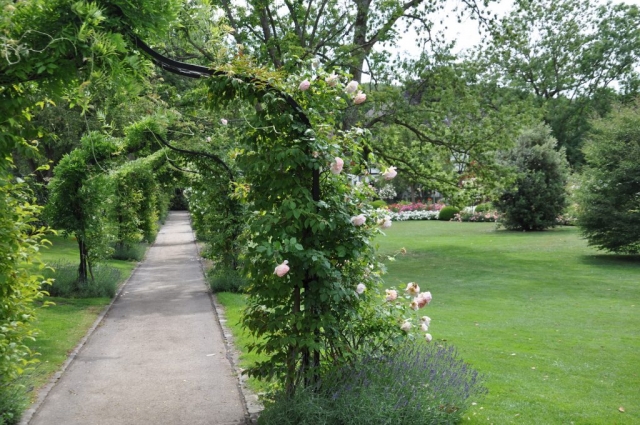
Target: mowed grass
x: 61, y: 326
x: 553, y: 325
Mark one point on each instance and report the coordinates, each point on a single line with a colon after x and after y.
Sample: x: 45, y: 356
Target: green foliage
x: 379, y: 203
x: 223, y: 279
x: 567, y: 55
x: 609, y: 191
x: 218, y: 218
x: 20, y: 281
x: 487, y: 206
x: 447, y: 213
x: 312, y: 316
x: 13, y: 400
x: 538, y: 195
x: 81, y: 200
x: 417, y: 384
x: 136, y: 189
x: 66, y: 283
x: 129, y: 252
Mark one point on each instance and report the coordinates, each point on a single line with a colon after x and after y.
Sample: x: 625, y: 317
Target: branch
x: 194, y: 153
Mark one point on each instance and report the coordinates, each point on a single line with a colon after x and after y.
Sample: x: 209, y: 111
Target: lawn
x: 61, y: 326
x: 553, y: 325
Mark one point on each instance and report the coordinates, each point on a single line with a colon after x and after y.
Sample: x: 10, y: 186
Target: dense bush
x: 13, y: 400
x: 609, y: 193
x: 418, y: 384
x: 538, y: 195
x: 378, y: 204
x: 487, y: 206
x: 224, y: 279
x: 447, y: 213
x: 66, y: 283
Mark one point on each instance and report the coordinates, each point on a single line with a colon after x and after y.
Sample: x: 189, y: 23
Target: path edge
x: 28, y: 414
x: 250, y: 400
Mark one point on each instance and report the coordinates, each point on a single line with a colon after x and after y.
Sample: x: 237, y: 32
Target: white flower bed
x: 411, y: 215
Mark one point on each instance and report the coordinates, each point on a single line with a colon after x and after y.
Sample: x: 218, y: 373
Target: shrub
x: 417, y: 384
x: 224, y: 279
x: 447, y: 213
x: 538, y: 195
x: 67, y: 284
x: 609, y: 204
x: 13, y: 400
x: 379, y: 204
x: 487, y: 206
x: 129, y: 252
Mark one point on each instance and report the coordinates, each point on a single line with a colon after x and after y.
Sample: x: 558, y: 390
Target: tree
x: 609, y: 192
x: 566, y: 54
x: 81, y: 201
x: 423, y: 113
x: 538, y: 195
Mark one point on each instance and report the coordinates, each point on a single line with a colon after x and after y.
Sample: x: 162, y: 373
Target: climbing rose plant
x: 315, y: 281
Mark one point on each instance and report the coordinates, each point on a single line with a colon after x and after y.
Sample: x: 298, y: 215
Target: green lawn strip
x: 62, y: 325
x: 234, y: 306
x: 551, y: 323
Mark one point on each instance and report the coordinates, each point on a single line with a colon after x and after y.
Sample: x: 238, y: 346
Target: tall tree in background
x: 425, y: 116
x: 609, y: 193
x: 569, y: 55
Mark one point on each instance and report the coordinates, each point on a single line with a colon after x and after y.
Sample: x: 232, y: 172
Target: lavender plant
x: 416, y: 384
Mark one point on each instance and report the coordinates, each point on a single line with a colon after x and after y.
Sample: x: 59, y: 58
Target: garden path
x: 158, y: 356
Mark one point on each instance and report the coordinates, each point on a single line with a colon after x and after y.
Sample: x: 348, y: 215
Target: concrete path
x: 159, y: 356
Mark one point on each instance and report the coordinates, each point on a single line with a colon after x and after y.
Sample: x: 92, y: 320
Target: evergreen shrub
x: 447, y: 213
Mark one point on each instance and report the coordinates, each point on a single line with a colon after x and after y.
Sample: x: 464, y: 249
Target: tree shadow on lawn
x: 612, y: 259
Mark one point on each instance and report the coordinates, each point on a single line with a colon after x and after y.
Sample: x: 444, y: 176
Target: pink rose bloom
x: 351, y: 87
x: 361, y: 288
x: 428, y: 337
x: 413, y: 288
x: 414, y: 304
x: 386, y: 223
x: 424, y: 327
x: 332, y: 80
x: 360, y: 98
x: 426, y: 320
x: 390, y: 173
x: 282, y: 269
x: 423, y: 299
x: 223, y: 121
x: 336, y: 165
x: 406, y: 326
x: 304, y: 85
x: 358, y: 220
x: 392, y: 294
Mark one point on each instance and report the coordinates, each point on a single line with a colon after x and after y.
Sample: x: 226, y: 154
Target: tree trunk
x: 83, y: 269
